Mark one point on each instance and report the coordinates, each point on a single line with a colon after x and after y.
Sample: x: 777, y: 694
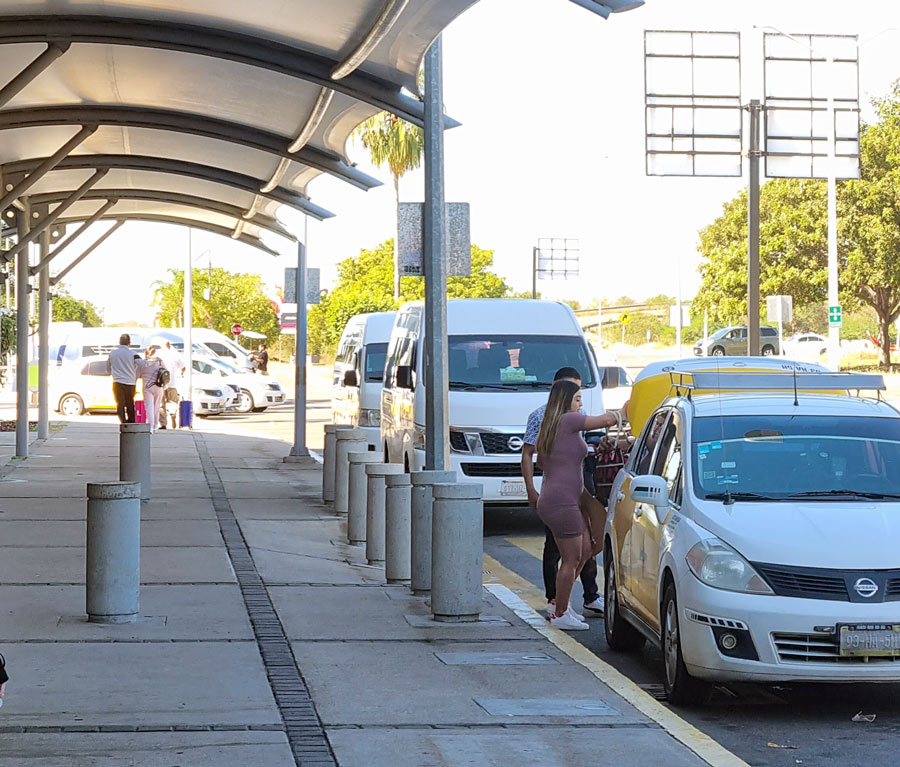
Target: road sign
x: 237, y: 329
x: 313, y: 290
x: 624, y: 318
x: 459, y: 243
x: 835, y: 316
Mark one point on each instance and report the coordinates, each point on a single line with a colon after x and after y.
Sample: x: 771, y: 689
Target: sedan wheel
x: 245, y: 402
x: 71, y: 405
x: 768, y: 351
x: 620, y: 635
x: 718, y: 352
x: 681, y: 687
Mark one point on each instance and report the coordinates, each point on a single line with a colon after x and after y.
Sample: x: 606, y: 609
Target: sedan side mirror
x: 350, y: 378
x: 650, y: 489
x: 404, y: 377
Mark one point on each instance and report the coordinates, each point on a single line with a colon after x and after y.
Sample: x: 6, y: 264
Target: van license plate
x: 513, y: 489
x: 880, y: 639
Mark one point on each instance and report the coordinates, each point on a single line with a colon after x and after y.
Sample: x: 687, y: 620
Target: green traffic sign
x: 835, y: 316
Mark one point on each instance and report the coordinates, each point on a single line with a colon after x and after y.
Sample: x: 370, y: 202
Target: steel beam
x: 49, y: 220
x: 100, y: 240
x: 27, y: 75
x: 186, y: 122
x: 217, y: 43
x: 44, y: 342
x: 44, y: 167
x: 22, y: 393
x: 46, y: 259
x: 289, y: 197
x: 174, y: 198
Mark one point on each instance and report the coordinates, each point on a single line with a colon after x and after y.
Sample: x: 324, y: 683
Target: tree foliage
x: 69, y: 309
x: 365, y: 284
x: 793, y: 237
x: 233, y: 298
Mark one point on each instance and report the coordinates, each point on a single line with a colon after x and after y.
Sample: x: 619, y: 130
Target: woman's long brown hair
x: 560, y: 402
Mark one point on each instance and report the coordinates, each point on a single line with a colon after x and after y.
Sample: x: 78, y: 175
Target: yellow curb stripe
x: 533, y: 545
x: 702, y: 745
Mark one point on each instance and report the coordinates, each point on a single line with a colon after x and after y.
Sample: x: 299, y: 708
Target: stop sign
x: 237, y: 329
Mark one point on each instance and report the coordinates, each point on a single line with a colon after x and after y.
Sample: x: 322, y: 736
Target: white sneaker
x: 597, y: 607
x: 551, y: 610
x: 574, y: 614
x: 568, y: 622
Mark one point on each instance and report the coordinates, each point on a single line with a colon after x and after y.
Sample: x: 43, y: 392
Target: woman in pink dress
x: 561, y: 451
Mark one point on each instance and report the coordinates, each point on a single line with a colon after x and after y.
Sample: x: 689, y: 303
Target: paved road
x: 813, y: 719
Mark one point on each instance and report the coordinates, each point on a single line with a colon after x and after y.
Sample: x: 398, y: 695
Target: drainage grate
x: 657, y: 691
x: 298, y: 712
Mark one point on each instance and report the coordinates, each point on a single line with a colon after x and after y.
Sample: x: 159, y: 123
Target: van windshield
x: 376, y: 355
x: 779, y: 457
x: 515, y: 360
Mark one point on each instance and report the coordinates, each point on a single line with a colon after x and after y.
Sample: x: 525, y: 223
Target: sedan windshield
x: 821, y: 458
x: 510, y: 361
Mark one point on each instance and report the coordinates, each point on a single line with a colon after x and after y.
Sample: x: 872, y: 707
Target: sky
x: 551, y: 101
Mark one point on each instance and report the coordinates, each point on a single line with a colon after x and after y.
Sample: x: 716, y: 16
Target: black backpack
x: 162, y: 377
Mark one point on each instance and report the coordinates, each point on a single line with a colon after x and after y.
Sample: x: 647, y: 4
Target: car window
x: 643, y: 460
x: 768, y: 331
x: 97, y: 368
x: 668, y: 458
x: 375, y: 359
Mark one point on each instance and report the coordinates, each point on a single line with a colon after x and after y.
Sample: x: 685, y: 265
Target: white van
x: 359, y: 373
x: 503, y: 354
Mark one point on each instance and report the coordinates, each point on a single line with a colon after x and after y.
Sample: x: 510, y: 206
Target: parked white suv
x: 753, y: 535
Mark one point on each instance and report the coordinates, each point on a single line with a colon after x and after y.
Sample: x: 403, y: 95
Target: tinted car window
x: 376, y: 355
x: 97, y: 368
x: 768, y: 331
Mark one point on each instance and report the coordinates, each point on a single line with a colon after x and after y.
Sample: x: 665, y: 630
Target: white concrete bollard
x: 375, y: 492
x: 457, y: 550
x: 134, y: 455
x: 420, y: 505
x: 113, y: 552
x: 346, y: 441
x: 397, y: 528
x: 357, y: 497
x: 328, y: 460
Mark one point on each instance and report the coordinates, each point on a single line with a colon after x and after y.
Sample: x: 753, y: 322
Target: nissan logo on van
x: 515, y: 444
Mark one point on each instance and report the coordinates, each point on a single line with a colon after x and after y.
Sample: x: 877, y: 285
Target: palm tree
x: 398, y: 144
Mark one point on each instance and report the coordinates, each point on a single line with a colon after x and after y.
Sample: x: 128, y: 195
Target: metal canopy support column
x: 437, y: 453
x: 299, y: 448
x: 44, y: 341
x: 47, y: 258
x: 103, y: 238
x: 45, y: 167
x: 27, y: 75
x: 753, y: 233
x: 22, y: 393
x: 47, y: 221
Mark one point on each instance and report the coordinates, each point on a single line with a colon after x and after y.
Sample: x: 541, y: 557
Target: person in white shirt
x: 123, y: 365
x: 153, y: 393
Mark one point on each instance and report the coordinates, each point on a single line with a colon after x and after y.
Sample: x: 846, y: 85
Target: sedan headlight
x: 369, y: 417
x: 718, y: 565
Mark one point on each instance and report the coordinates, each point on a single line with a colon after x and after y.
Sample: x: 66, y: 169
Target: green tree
x: 233, y: 298
x: 69, y: 309
x: 365, y: 284
x: 398, y: 144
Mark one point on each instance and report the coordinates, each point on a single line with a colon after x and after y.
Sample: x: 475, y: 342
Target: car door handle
x: 620, y: 496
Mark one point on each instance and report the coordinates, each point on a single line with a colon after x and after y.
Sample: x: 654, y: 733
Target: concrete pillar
x: 358, y: 495
x: 397, y: 528
x: 346, y: 441
x: 420, y: 504
x: 457, y: 550
x: 113, y: 555
x: 134, y: 455
x: 328, y: 460
x: 375, y: 492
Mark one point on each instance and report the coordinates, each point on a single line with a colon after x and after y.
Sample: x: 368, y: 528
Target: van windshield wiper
x: 471, y: 385
x: 842, y: 492
x: 739, y: 496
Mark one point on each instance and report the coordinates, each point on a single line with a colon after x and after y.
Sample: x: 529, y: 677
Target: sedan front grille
x: 794, y: 582
x: 819, y: 648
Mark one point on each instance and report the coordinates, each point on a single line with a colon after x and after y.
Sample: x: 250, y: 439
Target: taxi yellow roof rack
x: 735, y: 381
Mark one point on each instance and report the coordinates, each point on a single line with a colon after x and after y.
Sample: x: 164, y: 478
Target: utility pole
x: 754, y: 153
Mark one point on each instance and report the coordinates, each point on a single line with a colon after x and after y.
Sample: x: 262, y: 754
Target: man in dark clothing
x: 261, y: 357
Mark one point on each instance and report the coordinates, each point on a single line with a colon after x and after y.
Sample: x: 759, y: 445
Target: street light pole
x: 299, y: 449
x: 753, y: 232
x: 834, y: 330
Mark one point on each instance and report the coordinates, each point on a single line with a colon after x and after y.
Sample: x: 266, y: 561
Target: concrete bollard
x: 134, y: 455
x: 397, y: 528
x: 328, y: 460
x: 113, y: 556
x: 457, y: 550
x: 420, y: 505
x: 346, y: 441
x: 375, y: 492
x: 357, y: 496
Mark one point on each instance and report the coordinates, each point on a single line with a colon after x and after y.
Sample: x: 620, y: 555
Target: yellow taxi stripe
x: 522, y: 605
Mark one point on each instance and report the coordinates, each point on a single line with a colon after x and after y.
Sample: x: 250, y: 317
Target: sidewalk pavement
x: 206, y: 678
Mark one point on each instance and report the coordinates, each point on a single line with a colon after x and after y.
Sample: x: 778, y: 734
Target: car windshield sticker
x: 715, y: 445
x: 728, y: 464
x: 709, y: 475
x: 704, y: 448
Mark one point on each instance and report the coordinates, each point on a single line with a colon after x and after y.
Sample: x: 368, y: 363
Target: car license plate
x: 513, y: 489
x: 881, y: 639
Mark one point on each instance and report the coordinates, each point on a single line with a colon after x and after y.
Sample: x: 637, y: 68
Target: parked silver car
x: 732, y: 342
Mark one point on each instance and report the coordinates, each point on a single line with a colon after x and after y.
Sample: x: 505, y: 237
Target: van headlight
x: 369, y: 417
x: 718, y: 565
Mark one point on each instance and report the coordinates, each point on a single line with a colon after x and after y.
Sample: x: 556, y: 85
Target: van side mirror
x: 650, y: 489
x: 404, y: 377
x: 350, y: 378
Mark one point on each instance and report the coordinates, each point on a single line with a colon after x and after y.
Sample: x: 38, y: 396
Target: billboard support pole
x: 754, y: 153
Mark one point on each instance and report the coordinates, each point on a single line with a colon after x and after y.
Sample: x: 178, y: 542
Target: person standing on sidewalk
x: 153, y: 387
x: 593, y: 600
x: 123, y: 367
x: 170, y: 398
x: 562, y: 449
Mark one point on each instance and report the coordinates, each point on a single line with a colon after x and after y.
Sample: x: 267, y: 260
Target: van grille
x: 458, y: 441
x: 819, y: 648
x: 498, y: 444
x: 495, y: 470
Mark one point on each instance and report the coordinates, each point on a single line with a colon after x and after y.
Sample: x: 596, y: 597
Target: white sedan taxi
x: 753, y: 533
